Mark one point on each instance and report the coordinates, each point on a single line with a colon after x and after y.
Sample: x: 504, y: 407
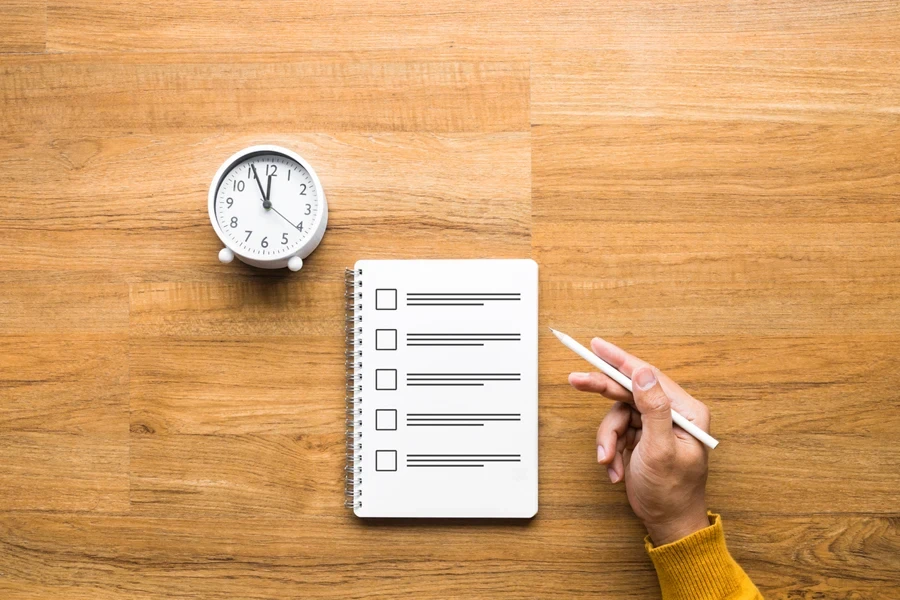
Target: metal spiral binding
x: 353, y: 331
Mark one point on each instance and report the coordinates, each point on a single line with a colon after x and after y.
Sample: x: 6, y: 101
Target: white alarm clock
x: 268, y: 208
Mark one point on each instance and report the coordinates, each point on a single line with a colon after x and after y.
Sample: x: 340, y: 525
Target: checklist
x: 447, y: 388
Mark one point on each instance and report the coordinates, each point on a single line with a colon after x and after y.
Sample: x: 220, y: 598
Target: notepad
x: 442, y: 388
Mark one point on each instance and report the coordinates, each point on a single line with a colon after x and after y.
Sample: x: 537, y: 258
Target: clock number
x: 274, y: 169
x: 284, y: 239
x: 264, y: 243
x: 303, y: 190
x: 229, y: 201
x: 300, y: 226
x: 249, y: 233
x: 250, y: 171
x: 238, y: 185
x: 308, y: 210
x: 289, y: 174
x: 233, y: 221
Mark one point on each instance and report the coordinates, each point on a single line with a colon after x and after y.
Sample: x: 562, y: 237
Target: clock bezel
x: 319, y: 223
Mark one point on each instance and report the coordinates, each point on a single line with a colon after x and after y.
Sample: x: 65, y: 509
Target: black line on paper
x: 465, y: 299
x: 446, y: 304
x: 461, y: 339
x: 455, y: 419
x: 467, y: 465
x: 464, y: 415
x: 445, y: 384
x: 463, y: 379
x: 458, y: 381
x: 449, y: 379
x: 422, y: 460
x: 473, y: 334
x: 445, y: 424
x: 463, y: 455
x: 463, y: 374
x: 445, y: 345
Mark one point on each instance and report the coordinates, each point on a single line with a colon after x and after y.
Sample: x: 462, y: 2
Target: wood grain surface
x: 23, y: 26
x: 713, y: 185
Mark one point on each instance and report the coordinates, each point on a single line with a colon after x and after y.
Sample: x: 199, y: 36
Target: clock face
x: 267, y: 206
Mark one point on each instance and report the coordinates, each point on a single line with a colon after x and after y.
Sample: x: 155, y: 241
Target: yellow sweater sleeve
x: 699, y: 567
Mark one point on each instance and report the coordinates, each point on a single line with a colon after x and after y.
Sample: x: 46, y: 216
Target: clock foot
x: 295, y: 263
x: 226, y: 255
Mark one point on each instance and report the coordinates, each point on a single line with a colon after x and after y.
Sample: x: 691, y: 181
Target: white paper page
x: 450, y: 416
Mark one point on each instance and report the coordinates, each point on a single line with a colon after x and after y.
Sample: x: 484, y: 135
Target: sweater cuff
x: 697, y: 567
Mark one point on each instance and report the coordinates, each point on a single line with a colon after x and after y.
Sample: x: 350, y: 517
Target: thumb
x: 655, y: 409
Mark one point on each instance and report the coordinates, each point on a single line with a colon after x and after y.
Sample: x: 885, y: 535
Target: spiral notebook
x: 442, y: 388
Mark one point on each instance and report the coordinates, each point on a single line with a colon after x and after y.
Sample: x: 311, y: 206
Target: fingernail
x: 601, y: 454
x: 579, y: 375
x: 645, y: 378
x: 612, y: 474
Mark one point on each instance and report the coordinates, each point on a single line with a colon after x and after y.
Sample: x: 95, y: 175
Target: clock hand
x: 269, y: 191
x: 265, y: 197
x: 284, y: 217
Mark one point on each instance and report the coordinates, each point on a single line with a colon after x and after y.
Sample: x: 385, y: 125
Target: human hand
x: 664, y: 468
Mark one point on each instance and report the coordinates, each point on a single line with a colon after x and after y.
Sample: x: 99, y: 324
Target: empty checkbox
x: 385, y: 299
x: 386, y: 379
x: 385, y: 460
x: 385, y: 339
x: 386, y: 419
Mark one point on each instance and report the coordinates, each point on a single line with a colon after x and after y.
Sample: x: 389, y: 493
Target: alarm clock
x: 267, y: 206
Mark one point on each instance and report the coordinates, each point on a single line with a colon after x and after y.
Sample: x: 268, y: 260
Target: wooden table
x: 712, y: 185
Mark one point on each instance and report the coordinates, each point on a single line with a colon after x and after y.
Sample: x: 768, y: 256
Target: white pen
x: 614, y: 374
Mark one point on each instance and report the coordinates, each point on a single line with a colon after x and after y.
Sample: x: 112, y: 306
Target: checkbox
x: 386, y: 379
x: 385, y: 460
x: 385, y: 339
x: 385, y: 299
x: 386, y: 419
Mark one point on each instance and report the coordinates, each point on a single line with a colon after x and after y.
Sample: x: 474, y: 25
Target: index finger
x: 684, y: 403
x: 617, y: 357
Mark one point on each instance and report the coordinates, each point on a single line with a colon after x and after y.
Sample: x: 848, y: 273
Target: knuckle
x: 621, y: 407
x: 663, y: 454
x: 657, y: 400
x: 596, y: 379
x: 667, y: 453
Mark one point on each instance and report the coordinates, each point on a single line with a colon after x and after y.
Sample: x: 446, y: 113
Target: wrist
x: 684, y: 525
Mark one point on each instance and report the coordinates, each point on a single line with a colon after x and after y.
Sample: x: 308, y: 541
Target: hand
x: 265, y: 195
x: 663, y: 467
x: 258, y: 182
x: 284, y: 217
